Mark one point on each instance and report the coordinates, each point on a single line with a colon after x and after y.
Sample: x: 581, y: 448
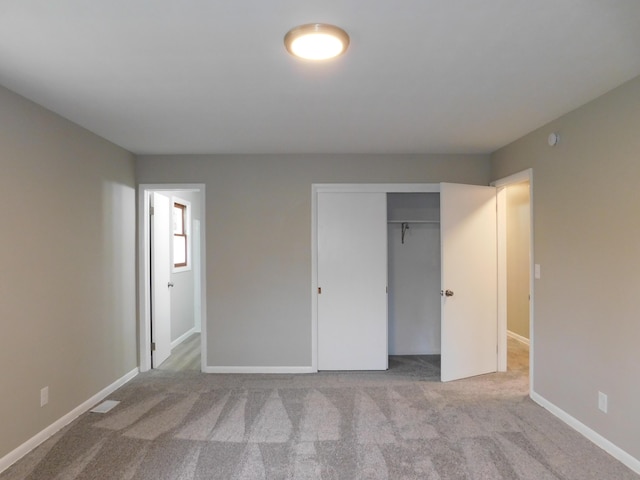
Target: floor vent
x: 105, y: 406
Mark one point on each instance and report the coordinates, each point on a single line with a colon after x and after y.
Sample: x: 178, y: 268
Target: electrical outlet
x: 602, y: 402
x: 44, y: 396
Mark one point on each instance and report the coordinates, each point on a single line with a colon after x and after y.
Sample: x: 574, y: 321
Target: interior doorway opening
x: 515, y: 272
x: 518, y: 226
x: 413, y: 224
x: 172, y: 300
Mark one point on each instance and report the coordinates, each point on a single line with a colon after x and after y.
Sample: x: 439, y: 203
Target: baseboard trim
x: 182, y: 338
x: 15, y: 455
x: 609, y: 447
x: 517, y: 337
x: 259, y: 370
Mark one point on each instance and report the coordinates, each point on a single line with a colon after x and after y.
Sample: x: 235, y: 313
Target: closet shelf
x: 413, y: 221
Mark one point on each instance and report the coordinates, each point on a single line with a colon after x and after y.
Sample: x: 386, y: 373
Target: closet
x: 413, y: 262
x: 370, y: 297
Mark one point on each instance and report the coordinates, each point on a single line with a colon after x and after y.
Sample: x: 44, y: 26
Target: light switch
x: 536, y: 271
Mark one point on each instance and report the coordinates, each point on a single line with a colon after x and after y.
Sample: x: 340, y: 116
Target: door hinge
x: 153, y: 346
x: 151, y: 212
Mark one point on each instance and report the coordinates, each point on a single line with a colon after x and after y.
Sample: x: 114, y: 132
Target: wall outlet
x: 44, y: 396
x: 602, y: 402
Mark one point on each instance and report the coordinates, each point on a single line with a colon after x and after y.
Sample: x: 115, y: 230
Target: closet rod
x: 413, y: 221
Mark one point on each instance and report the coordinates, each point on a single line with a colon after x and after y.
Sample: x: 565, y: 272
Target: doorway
x: 190, y: 302
x: 515, y: 267
x: 414, y: 271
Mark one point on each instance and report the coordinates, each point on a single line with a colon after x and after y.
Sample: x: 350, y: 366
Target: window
x: 180, y: 240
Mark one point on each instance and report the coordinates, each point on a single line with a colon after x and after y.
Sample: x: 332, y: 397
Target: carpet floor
x: 399, y: 424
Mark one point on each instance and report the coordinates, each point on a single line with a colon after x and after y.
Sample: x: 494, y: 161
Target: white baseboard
x: 517, y: 337
x: 259, y: 370
x: 182, y: 338
x: 612, y: 449
x: 15, y: 455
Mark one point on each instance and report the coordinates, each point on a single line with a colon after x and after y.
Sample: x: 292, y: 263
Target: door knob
x: 446, y: 293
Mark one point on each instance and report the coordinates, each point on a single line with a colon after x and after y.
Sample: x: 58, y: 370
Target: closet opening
x: 414, y: 277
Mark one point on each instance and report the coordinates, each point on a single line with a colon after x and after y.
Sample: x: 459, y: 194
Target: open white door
x: 469, y: 280
x: 352, y: 281
x: 160, y: 279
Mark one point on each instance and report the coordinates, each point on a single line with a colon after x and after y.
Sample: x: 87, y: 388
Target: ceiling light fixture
x: 316, y: 41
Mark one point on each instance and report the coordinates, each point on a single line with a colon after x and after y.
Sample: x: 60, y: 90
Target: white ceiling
x: 212, y: 76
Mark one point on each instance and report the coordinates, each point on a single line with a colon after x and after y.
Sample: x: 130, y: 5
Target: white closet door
x: 352, y: 276
x: 469, y: 274
x: 161, y: 274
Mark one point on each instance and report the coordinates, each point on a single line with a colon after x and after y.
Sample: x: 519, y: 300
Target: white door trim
x: 353, y: 188
x: 501, y: 248
x: 520, y: 177
x: 144, y: 280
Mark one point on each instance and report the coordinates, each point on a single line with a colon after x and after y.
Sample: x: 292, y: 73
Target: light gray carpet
x: 400, y: 424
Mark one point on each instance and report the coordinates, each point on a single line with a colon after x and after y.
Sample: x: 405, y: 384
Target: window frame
x: 185, y: 207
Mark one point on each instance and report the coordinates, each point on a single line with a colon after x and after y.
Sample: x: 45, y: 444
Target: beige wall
x: 586, y: 200
x: 258, y: 220
x: 67, y: 288
x: 518, y: 232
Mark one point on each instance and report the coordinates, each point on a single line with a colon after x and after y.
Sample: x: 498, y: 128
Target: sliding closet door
x: 469, y: 280
x: 352, y: 281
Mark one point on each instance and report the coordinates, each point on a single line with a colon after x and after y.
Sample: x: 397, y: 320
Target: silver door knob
x: 446, y: 293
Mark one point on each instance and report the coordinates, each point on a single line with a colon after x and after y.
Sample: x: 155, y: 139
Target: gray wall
x: 586, y: 201
x: 67, y: 250
x: 258, y: 230
x: 518, y: 246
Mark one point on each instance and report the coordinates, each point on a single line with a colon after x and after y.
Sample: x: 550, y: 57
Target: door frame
x: 501, y: 184
x: 144, y: 275
x: 342, y: 188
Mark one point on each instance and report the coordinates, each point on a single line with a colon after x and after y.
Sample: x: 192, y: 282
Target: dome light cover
x: 316, y: 41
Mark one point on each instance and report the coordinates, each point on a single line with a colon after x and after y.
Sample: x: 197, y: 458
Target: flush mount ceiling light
x: 316, y: 41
